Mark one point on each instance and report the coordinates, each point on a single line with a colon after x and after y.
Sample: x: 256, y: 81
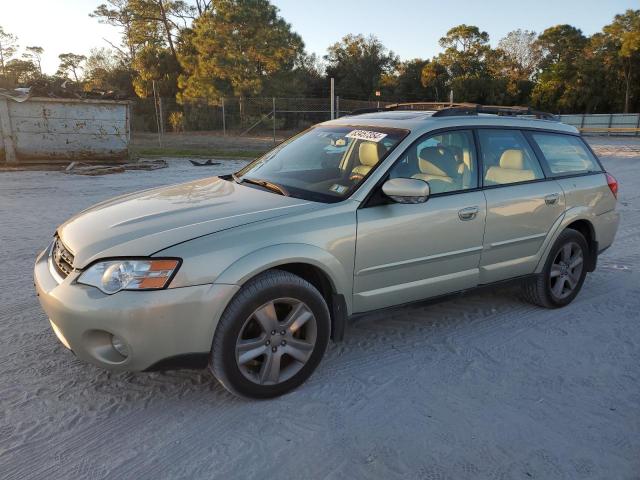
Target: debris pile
x: 81, y: 168
x: 53, y: 87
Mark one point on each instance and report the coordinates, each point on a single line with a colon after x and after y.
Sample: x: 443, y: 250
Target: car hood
x: 142, y: 223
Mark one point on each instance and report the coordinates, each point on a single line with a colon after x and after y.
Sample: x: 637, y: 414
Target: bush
x: 176, y: 120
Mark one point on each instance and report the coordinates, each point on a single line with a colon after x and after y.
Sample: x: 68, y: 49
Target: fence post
x: 156, y: 109
x: 224, y: 121
x: 273, y: 114
x: 161, y: 110
x: 582, y: 122
x: 638, y: 124
x: 337, y: 106
x: 610, y: 122
x: 6, y: 135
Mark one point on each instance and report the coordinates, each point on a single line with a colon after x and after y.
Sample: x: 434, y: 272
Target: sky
x: 411, y: 28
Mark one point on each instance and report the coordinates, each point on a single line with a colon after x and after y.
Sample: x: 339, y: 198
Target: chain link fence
x: 253, y: 125
x: 237, y: 116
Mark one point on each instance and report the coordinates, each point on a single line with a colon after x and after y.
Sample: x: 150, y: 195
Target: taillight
x: 613, y: 184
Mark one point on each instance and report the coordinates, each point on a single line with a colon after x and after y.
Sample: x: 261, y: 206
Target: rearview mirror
x: 406, y: 190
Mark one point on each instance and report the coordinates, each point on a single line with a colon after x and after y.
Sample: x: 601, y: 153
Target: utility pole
x: 333, y: 98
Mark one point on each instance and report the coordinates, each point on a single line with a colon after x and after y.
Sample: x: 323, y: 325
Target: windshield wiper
x: 274, y: 187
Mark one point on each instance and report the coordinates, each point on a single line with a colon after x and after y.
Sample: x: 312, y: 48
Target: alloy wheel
x: 276, y: 341
x: 566, y: 270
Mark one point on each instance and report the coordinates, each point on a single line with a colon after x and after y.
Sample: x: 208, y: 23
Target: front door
x: 408, y: 252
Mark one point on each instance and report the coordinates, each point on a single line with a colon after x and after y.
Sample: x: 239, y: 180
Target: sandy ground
x: 479, y: 386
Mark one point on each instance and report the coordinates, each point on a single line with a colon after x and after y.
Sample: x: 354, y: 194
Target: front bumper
x: 154, y: 325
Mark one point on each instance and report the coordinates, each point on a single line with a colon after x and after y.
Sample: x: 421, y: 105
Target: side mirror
x: 406, y: 190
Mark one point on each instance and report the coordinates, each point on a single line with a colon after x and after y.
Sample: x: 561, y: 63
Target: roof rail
x: 428, y: 106
x: 423, y: 106
x: 447, y: 109
x: 495, y: 110
x: 360, y: 111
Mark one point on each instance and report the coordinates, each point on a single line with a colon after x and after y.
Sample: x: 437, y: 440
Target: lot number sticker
x: 366, y: 135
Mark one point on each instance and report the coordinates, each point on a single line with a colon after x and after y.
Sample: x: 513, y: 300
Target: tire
x: 544, y: 289
x: 245, y: 354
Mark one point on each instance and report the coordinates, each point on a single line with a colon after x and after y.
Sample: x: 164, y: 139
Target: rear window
x: 566, y: 153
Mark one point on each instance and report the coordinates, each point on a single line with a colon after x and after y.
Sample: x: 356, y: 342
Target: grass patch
x: 137, y: 152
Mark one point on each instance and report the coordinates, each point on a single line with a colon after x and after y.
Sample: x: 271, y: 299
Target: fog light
x: 119, y: 346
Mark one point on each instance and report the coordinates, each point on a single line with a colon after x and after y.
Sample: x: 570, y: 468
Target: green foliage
x: 155, y: 64
x: 236, y: 49
x: 177, y: 122
x: 8, y: 47
x: 622, y: 37
x: 70, y: 64
x: 358, y: 64
x: 205, y: 49
x: 105, y: 71
x: 21, y: 72
x: 435, y: 77
x: 34, y: 55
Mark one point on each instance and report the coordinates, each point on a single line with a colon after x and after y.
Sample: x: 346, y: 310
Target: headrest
x: 369, y: 154
x: 438, y: 161
x: 512, y: 158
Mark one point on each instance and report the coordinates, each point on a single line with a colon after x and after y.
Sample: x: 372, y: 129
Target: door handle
x: 468, y: 213
x: 552, y: 198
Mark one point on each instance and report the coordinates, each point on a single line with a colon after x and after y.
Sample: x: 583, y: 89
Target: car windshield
x: 324, y: 163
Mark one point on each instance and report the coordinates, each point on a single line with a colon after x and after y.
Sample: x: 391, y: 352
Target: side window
x: 446, y: 161
x: 565, y: 153
x: 507, y: 157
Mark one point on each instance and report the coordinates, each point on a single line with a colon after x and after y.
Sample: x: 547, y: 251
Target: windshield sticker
x: 366, y: 135
x: 338, y: 188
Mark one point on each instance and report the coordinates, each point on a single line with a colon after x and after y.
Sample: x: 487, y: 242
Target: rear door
x: 522, y: 204
x: 408, y: 252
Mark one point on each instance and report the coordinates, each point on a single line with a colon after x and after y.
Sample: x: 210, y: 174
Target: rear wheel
x: 563, y: 274
x: 271, y: 337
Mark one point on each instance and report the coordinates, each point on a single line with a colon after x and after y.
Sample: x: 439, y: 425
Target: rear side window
x: 507, y: 158
x: 565, y: 154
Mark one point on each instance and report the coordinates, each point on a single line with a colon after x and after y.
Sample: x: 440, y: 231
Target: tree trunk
x: 167, y: 29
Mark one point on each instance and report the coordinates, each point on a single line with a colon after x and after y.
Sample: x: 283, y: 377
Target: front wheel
x: 271, y: 337
x: 563, y: 274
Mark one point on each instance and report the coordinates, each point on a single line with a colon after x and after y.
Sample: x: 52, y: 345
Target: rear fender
x: 570, y: 216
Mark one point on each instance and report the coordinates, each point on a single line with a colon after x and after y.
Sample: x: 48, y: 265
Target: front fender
x: 266, y: 258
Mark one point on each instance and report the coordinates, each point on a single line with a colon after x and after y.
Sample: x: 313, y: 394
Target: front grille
x: 62, y: 259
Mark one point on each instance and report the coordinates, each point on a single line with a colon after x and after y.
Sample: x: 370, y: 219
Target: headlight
x: 111, y: 276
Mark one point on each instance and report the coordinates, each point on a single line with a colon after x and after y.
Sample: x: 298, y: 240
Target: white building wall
x: 67, y: 129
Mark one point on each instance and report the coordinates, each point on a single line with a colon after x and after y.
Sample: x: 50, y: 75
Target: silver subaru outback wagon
x: 253, y: 273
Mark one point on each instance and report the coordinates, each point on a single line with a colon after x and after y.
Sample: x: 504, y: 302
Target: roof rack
x: 495, y: 110
x: 423, y: 106
x: 446, y: 109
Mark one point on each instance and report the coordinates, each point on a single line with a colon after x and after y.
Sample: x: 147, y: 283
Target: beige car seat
x: 463, y: 156
x: 439, y: 167
x: 368, y: 156
x: 511, y: 170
